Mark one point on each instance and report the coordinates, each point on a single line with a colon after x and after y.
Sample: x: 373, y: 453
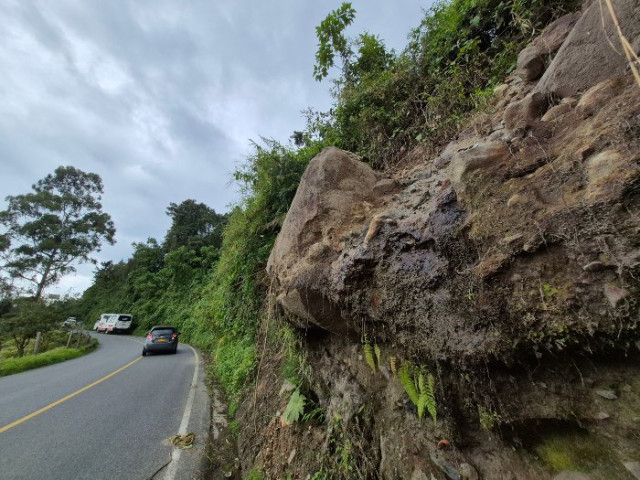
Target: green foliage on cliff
x: 386, y: 103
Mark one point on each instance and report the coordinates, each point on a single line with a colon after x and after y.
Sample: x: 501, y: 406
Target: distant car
x: 69, y: 322
x: 161, y: 339
x: 113, y: 323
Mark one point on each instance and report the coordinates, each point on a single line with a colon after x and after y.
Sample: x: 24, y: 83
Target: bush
x: 460, y: 50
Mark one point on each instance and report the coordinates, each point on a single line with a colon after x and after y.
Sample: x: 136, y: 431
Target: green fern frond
x: 295, y: 407
x: 376, y: 350
x: 430, y: 397
x: 368, y: 356
x: 420, y: 387
x: 393, y: 364
x: 406, y: 378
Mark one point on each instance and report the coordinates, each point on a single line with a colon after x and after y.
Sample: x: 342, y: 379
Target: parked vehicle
x: 69, y: 323
x: 113, y: 323
x: 161, y: 339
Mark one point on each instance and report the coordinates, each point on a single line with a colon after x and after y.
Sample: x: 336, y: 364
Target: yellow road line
x: 64, y: 399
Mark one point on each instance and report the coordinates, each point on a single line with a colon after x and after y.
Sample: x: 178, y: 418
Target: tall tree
x: 194, y: 225
x: 59, y: 223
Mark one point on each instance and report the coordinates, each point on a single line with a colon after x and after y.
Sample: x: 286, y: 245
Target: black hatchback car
x: 161, y: 339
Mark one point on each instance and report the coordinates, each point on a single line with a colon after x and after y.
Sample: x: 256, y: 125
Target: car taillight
x: 174, y: 336
x: 150, y: 337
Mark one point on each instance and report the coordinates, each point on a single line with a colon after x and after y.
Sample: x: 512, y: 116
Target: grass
x: 10, y: 366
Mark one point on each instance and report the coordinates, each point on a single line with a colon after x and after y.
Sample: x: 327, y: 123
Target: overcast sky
x: 160, y: 97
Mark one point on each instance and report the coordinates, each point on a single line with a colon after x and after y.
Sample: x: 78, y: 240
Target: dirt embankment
x: 492, y: 290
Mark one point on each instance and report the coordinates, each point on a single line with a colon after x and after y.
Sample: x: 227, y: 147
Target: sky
x: 161, y: 98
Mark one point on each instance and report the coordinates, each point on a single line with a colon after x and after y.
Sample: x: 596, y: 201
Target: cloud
x: 160, y: 98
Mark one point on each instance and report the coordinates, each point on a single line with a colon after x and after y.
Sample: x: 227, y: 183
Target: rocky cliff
x: 495, y: 286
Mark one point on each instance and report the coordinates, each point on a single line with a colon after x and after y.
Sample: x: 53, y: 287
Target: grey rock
x: 468, y: 472
x: 594, y: 266
x: 530, y: 63
x: 572, y: 476
x: 525, y: 112
x: 615, y: 294
x: 586, y: 57
x: 633, y: 467
x: 419, y: 475
x: 607, y: 394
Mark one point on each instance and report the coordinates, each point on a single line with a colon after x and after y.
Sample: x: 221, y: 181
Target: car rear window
x: 162, y: 331
x: 124, y: 318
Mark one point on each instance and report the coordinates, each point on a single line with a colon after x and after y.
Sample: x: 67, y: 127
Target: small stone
x: 607, y: 394
x: 384, y: 186
x: 516, y: 199
x: 525, y: 112
x: 615, y: 294
x: 594, y: 267
x: 468, y: 472
x: 633, y: 467
x: 557, y: 111
x: 572, y: 476
x: 419, y: 475
x: 530, y: 63
x: 291, y: 456
x: 287, y: 387
x: 601, y: 416
x: 511, y: 239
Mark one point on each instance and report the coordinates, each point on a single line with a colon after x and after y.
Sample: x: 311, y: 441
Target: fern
x: 376, y: 350
x: 368, y: 356
x: 419, y: 387
x: 295, y: 407
x: 405, y: 375
x: 427, y: 397
x: 393, y: 364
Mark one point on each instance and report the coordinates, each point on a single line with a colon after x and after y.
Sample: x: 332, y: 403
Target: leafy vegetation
x: 386, y: 103
x: 420, y: 386
x: 47, y: 230
x: 295, y: 408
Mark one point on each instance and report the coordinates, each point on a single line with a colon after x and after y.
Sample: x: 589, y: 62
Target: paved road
x: 116, y: 429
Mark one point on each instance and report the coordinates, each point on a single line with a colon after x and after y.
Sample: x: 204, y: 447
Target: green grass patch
x: 10, y: 366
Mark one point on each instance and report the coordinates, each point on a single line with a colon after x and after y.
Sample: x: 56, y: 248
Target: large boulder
x: 592, y: 52
x: 336, y: 193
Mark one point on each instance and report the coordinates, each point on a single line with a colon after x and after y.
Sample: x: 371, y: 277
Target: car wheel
x: 144, y: 352
x: 175, y: 350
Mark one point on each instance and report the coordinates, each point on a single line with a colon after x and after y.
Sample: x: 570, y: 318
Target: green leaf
x: 295, y: 407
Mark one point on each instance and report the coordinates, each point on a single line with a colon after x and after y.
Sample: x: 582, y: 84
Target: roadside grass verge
x: 16, y: 365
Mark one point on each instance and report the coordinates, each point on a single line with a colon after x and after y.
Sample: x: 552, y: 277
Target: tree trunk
x: 36, y: 348
x: 43, y: 280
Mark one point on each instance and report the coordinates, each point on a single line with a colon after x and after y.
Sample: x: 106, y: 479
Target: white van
x: 114, y: 322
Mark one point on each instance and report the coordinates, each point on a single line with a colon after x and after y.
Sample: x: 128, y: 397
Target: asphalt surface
x: 117, y: 429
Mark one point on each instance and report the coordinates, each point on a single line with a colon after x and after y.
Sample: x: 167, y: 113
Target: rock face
x: 592, y: 53
x: 484, y: 257
x: 508, y: 265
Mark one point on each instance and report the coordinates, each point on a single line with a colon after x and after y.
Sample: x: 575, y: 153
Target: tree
x: 194, y: 226
x: 59, y: 223
x: 24, y: 319
x: 332, y: 40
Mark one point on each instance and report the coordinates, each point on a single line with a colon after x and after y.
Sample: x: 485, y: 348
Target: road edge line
x: 184, y: 424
